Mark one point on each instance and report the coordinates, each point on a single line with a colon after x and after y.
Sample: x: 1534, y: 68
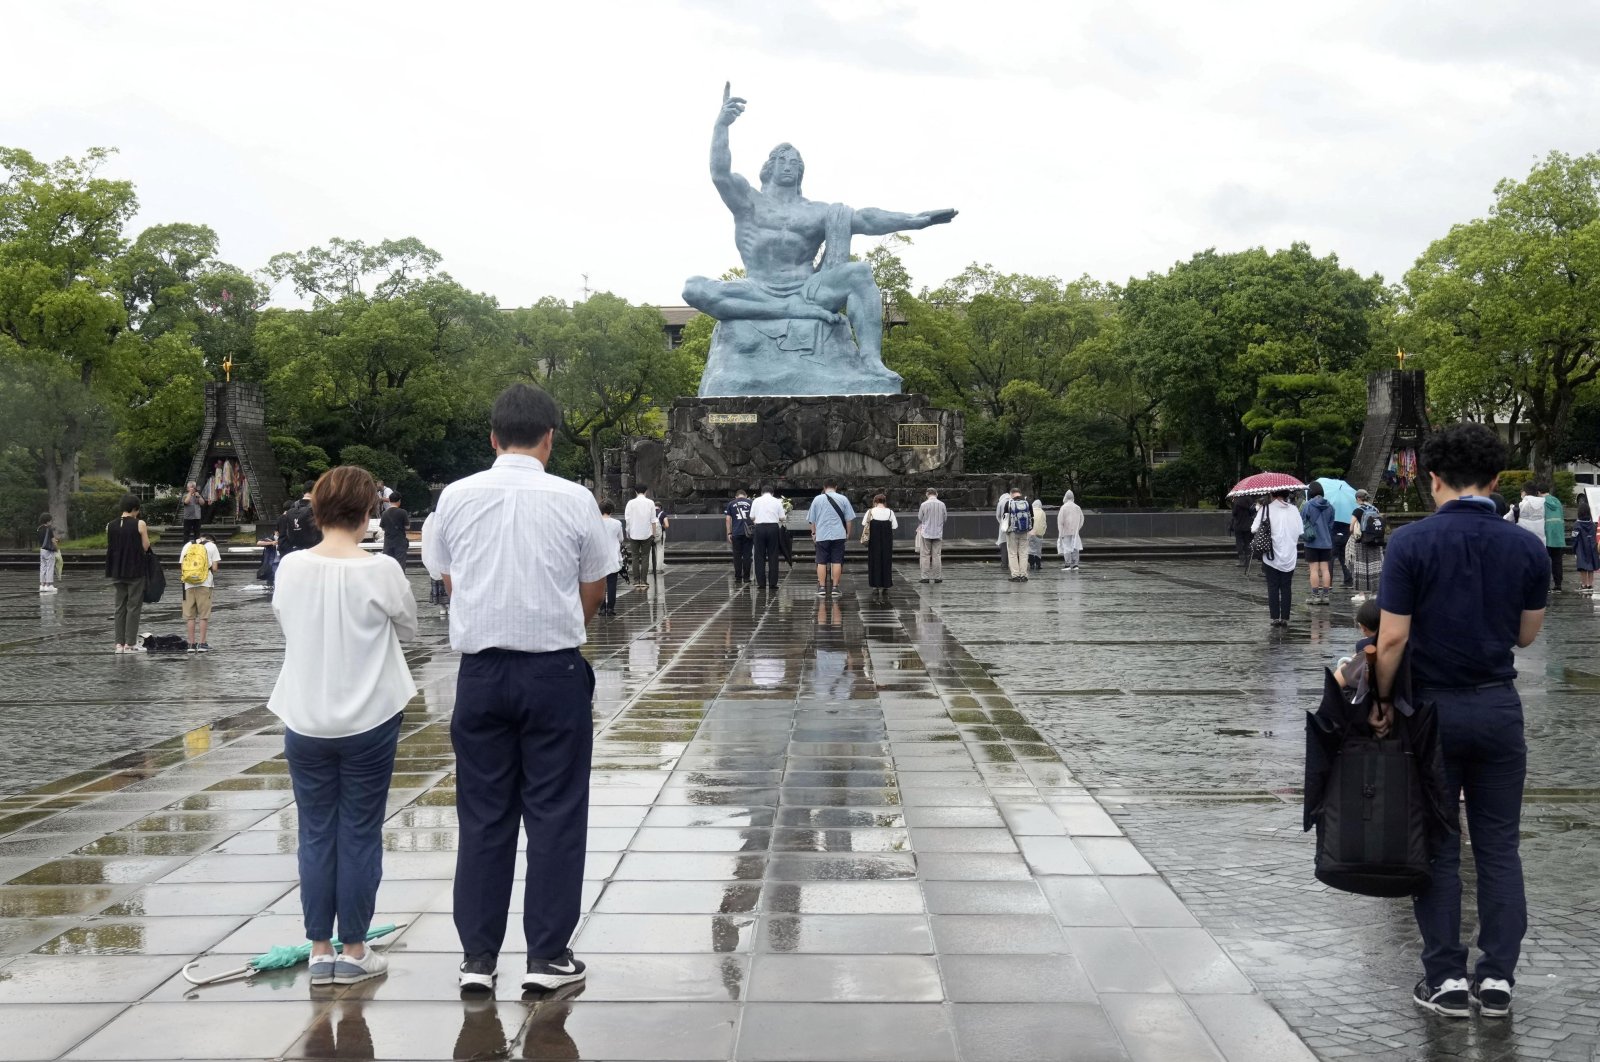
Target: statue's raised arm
x: 734, y: 189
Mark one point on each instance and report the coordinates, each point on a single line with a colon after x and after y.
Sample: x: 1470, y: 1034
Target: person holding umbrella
x: 1342, y: 496
x: 1285, y: 525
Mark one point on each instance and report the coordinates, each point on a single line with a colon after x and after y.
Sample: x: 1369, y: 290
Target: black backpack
x: 1371, y: 526
x: 302, y: 531
x: 1372, y: 832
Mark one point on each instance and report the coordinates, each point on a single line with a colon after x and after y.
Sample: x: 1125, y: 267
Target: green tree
x: 1204, y: 335
x: 1307, y: 421
x: 390, y: 354
x: 67, y: 355
x: 605, y: 362
x: 197, y: 316
x: 1513, y: 299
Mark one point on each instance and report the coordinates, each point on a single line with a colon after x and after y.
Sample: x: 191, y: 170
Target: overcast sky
x: 531, y: 143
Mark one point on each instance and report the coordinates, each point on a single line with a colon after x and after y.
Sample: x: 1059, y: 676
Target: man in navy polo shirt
x: 1462, y: 588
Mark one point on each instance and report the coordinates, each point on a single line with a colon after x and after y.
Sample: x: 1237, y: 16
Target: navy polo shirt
x: 1465, y: 577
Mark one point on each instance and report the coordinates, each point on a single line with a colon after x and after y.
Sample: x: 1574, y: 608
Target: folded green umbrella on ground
x: 279, y: 958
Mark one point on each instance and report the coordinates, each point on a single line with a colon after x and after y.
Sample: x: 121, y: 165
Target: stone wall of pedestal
x: 897, y: 444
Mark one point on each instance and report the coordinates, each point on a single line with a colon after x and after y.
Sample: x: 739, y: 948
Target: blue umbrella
x: 1343, y: 497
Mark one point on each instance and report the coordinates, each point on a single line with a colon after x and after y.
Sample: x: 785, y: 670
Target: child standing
x: 1583, y: 545
x: 49, y: 550
x: 1353, y: 673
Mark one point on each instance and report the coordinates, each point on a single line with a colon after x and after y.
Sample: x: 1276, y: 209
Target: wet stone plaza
x: 983, y: 821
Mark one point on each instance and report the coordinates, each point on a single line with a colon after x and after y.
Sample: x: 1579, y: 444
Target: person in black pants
x: 1341, y: 542
x: 396, y: 525
x: 1244, y: 514
x: 1460, y: 590
x: 741, y: 540
x: 766, y: 514
x: 522, y: 594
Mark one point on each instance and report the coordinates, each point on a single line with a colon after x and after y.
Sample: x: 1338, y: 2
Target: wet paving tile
x: 1031, y: 1032
x: 630, y: 1031
x: 20, y: 901
x: 226, y: 1030
x: 82, y: 979
x: 187, y: 935
x: 1009, y: 934
x: 1015, y: 979
x: 846, y: 934
x: 773, y: 1032
x: 1158, y: 1028
x: 845, y: 979
x: 1116, y: 961
x: 984, y: 897
x: 680, y: 897
x: 45, y: 1030
x: 603, y: 932
x: 358, y: 1028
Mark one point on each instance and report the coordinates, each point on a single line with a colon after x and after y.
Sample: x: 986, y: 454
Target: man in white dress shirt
x: 766, y: 513
x: 639, y: 520
x: 524, y: 555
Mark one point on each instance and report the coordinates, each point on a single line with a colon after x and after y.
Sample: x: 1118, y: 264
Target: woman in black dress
x: 878, y: 529
x: 127, y: 542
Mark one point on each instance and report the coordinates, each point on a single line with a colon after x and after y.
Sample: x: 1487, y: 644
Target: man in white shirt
x: 524, y: 555
x: 639, y: 519
x: 930, y: 537
x: 766, y: 513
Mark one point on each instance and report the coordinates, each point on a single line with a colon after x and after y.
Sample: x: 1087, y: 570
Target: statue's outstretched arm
x: 870, y: 221
x: 734, y: 189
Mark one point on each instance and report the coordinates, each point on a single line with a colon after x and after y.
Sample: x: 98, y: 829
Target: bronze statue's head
x: 784, y: 165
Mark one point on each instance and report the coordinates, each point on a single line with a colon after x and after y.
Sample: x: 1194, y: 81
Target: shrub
x: 163, y: 510
x: 1564, y: 485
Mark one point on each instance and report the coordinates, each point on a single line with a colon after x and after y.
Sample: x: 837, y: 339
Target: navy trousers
x: 1485, y: 757
x: 1341, y: 539
x: 741, y: 545
x: 768, y: 544
x: 341, y: 790
x: 523, y: 734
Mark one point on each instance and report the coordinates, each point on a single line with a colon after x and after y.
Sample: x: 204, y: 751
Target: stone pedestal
x: 897, y: 444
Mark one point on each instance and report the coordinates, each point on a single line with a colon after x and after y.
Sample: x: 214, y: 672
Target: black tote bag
x: 1372, y: 833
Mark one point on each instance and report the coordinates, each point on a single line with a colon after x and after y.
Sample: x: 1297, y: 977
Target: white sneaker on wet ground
x: 348, y: 971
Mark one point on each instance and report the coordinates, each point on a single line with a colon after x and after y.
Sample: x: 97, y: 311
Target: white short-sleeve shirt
x: 516, y: 542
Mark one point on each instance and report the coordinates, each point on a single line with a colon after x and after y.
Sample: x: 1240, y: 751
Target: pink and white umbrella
x: 1264, y: 483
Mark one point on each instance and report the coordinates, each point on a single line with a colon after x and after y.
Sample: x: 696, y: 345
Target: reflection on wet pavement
x: 820, y: 830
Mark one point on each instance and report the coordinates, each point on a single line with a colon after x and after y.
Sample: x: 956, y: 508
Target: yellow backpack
x: 195, y: 567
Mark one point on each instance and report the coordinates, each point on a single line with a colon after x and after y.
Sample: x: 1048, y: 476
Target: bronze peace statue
x: 792, y: 326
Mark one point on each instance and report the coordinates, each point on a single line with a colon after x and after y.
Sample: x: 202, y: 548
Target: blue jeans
x: 523, y: 733
x: 341, y: 786
x: 1485, y: 756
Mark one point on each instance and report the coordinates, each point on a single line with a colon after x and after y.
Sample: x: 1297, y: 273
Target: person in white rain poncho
x: 1069, y: 521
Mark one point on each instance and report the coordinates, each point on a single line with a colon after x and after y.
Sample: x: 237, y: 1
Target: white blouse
x: 883, y: 512
x: 343, y: 621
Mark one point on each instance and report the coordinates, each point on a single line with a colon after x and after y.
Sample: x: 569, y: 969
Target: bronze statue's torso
x: 778, y: 242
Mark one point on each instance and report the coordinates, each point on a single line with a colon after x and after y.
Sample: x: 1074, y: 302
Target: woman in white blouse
x: 344, y: 683
x: 878, y: 530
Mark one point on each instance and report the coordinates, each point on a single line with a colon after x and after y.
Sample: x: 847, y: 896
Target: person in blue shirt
x: 830, y: 517
x: 1318, y: 516
x: 1462, y: 589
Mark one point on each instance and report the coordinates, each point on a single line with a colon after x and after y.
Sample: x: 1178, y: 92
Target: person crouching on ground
x: 344, y: 684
